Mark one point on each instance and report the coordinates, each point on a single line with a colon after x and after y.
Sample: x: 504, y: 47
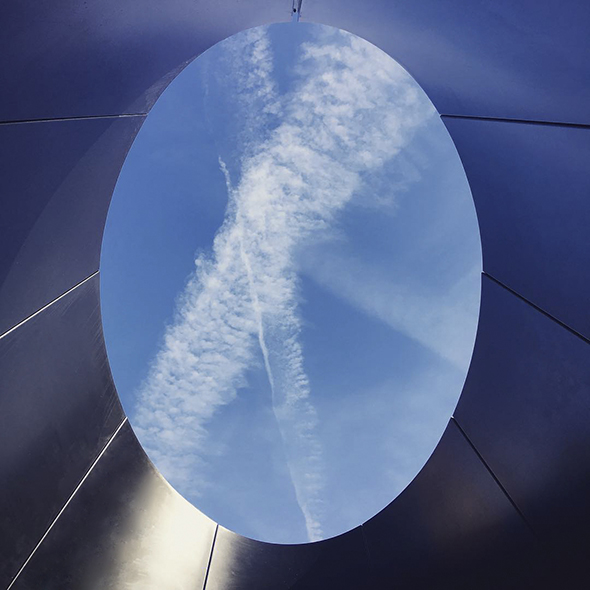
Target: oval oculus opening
x: 290, y: 282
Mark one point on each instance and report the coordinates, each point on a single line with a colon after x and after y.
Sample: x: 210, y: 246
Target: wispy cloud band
x: 351, y: 110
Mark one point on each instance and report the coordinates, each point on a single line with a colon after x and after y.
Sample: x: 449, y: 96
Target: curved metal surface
x: 502, y: 503
x: 124, y: 528
x: 57, y: 181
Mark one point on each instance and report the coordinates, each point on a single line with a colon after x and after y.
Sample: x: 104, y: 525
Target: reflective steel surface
x: 57, y: 179
x: 124, y: 528
x: 503, y: 501
x: 238, y: 562
x: 531, y: 184
x: 453, y: 527
x: 58, y: 409
x: 526, y: 407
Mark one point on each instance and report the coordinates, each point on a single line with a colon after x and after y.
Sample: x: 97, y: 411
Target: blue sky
x: 290, y: 282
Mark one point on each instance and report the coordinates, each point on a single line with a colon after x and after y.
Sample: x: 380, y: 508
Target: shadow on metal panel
x: 57, y: 179
x: 452, y: 528
x: 58, y: 409
x: 526, y: 407
x: 237, y: 562
x: 531, y: 186
x: 110, y: 57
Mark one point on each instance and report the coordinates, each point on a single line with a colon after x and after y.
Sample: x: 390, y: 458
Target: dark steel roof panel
x: 452, y: 528
x: 77, y: 59
x: 56, y: 181
x: 58, y: 409
x: 531, y: 186
x: 241, y: 563
x: 125, y: 528
x: 526, y: 407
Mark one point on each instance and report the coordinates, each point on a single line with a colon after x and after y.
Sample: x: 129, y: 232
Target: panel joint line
x: 210, y: 557
x: 82, y: 118
x: 24, y: 565
x: 520, y: 121
x: 48, y: 305
x: 494, y: 477
x: 537, y: 308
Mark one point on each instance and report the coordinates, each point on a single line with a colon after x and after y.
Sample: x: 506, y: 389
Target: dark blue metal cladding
x: 531, y: 186
x: 496, y: 58
x: 453, y: 528
x: 124, y: 528
x: 526, y: 407
x: 56, y: 181
x: 108, y: 57
x: 245, y: 564
x: 58, y: 409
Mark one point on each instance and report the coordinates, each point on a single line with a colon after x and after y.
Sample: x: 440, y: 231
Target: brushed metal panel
x: 74, y: 59
x: 526, y: 406
x: 531, y: 184
x: 453, y: 528
x: 126, y: 528
x: 241, y: 563
x: 56, y: 181
x: 58, y: 409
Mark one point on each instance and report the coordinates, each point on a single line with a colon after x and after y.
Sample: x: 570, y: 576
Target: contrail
x: 253, y: 295
x: 352, y: 108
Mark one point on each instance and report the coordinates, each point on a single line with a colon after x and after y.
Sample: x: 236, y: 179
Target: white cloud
x: 351, y: 110
x: 442, y: 321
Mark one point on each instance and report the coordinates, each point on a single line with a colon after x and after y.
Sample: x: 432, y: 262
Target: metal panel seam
x: 48, y: 305
x: 495, y: 478
x: 520, y: 121
x: 86, y: 118
x: 536, y: 307
x: 210, y: 557
x: 67, y: 503
x: 367, y: 550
